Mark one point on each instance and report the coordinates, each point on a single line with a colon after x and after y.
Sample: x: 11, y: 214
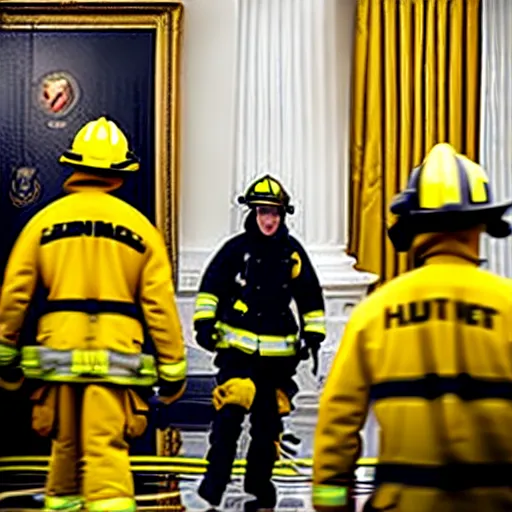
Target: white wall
x: 207, y: 128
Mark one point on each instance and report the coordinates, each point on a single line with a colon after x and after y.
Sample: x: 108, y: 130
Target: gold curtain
x: 415, y: 83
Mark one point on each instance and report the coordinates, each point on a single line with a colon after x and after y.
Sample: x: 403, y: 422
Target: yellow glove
x: 235, y: 391
x: 283, y: 403
x: 218, y: 397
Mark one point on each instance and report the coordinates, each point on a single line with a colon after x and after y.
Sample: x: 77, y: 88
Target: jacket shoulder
x: 296, y: 244
x: 372, y: 305
x: 233, y: 244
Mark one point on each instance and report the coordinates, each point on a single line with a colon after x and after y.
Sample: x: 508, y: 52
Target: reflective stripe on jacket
x: 88, y: 366
x: 249, y: 342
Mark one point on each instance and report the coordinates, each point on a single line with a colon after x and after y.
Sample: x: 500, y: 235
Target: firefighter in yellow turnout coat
x: 105, y: 268
x: 431, y: 350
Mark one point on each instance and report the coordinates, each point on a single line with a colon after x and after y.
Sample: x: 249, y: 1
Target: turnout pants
x: 90, y: 426
x: 266, y: 427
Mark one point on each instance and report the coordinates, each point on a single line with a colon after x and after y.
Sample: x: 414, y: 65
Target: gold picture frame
x: 166, y: 19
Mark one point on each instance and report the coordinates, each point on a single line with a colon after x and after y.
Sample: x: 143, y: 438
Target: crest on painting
x: 58, y: 93
x: 25, y: 187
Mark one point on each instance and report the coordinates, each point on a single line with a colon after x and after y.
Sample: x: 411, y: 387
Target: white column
x: 293, y: 120
x: 496, y: 119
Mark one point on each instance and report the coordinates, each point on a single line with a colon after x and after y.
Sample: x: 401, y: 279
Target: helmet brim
x: 130, y: 167
x: 485, y: 210
x: 265, y: 202
x: 402, y: 232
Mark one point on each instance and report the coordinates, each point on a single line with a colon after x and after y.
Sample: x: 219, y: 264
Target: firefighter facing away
x: 106, y: 270
x: 243, y: 314
x: 431, y: 350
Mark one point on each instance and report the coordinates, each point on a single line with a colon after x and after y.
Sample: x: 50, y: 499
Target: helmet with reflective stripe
x: 447, y: 192
x: 267, y: 191
x: 101, y: 146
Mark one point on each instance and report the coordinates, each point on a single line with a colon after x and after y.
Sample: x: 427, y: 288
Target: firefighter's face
x: 268, y: 219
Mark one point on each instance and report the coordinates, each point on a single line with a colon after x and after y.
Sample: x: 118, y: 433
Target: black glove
x: 11, y: 376
x: 206, y: 334
x: 312, y: 342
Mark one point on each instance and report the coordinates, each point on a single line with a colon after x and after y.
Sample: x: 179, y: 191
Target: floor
x: 293, y: 496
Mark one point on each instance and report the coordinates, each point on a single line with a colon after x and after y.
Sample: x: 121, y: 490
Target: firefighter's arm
x: 308, y: 295
x: 342, y: 412
x: 20, y: 279
x: 158, y: 302
x: 213, y: 287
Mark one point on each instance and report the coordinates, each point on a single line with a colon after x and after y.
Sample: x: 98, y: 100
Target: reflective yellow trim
x: 8, y: 353
x: 113, y: 379
x: 317, y: 313
x: 240, y: 306
x: 205, y: 307
x: 314, y: 321
x: 250, y: 342
x: 64, y: 503
x: 203, y: 315
x: 137, y: 460
x: 112, y: 505
x: 238, y: 338
x: 315, y: 328
x: 88, y: 366
x: 89, y: 362
x: 207, y: 298
x: 173, y: 371
x: 330, y: 496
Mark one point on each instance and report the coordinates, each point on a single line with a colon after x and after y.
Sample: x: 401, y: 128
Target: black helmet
x: 267, y: 191
x: 448, y: 192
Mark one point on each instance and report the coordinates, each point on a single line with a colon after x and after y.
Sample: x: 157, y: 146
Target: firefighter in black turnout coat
x: 243, y: 313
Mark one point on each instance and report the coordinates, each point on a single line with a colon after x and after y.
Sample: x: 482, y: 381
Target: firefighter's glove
x: 11, y: 374
x: 168, y: 392
x: 284, y: 406
x: 312, y: 342
x: 206, y: 334
x: 11, y: 377
x: 234, y: 391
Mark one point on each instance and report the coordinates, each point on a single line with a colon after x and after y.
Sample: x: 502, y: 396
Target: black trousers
x: 266, y: 427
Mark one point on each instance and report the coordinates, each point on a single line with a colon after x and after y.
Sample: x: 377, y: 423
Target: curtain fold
x: 416, y: 69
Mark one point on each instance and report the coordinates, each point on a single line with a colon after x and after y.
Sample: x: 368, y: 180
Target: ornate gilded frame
x: 166, y: 19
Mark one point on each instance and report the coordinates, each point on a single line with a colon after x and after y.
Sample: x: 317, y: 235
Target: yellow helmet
x: 447, y: 192
x: 100, y: 145
x: 267, y: 191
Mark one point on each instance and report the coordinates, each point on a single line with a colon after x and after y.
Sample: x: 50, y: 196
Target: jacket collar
x: 81, y: 181
x: 439, y: 249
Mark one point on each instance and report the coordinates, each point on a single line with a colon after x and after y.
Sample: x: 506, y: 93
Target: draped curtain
x: 416, y: 70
